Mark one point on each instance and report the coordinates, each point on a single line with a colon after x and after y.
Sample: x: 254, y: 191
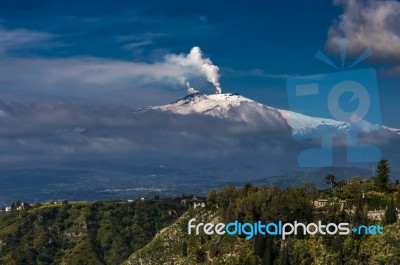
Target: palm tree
x: 330, y: 180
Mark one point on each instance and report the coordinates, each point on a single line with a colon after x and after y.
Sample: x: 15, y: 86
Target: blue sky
x: 47, y: 48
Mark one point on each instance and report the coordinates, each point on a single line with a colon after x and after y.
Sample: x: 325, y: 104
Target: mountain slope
x: 237, y: 107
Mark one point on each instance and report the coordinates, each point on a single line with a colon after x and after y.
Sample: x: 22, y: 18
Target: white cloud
x: 86, y: 76
x: 256, y: 72
x: 14, y: 39
x: 131, y: 42
x: 86, y: 70
x: 368, y: 24
x: 134, y: 45
x: 107, y: 79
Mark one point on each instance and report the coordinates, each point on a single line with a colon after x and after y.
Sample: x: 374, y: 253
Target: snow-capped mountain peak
x: 215, y: 105
x: 221, y: 106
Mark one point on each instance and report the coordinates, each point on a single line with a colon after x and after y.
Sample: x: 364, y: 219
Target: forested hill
x: 350, y: 202
x: 155, y: 232
x: 82, y: 232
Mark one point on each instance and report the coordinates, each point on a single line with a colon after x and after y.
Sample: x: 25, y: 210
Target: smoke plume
x: 190, y: 89
x: 195, y: 64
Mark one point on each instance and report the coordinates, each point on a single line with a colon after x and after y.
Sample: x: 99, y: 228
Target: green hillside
x: 155, y: 232
x: 173, y: 245
x: 82, y: 233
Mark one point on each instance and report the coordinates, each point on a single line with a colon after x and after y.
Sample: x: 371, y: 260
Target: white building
x: 376, y: 215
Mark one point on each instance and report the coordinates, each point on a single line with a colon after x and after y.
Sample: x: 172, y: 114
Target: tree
x: 382, y: 175
x: 398, y: 200
x: 330, y: 180
x: 268, y: 257
x: 202, y: 240
x: 212, y: 197
x: 284, y: 257
x: 390, y: 214
x: 201, y: 256
x: 360, y: 215
x: 259, y: 245
x: 354, y: 188
x: 184, y: 249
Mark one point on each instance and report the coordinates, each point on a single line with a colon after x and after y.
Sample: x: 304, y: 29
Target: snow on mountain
x: 217, y: 105
x: 303, y: 124
x: 221, y: 105
x: 394, y: 130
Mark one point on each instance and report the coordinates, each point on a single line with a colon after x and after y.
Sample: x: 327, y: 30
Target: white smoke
x: 194, y: 64
x: 190, y: 89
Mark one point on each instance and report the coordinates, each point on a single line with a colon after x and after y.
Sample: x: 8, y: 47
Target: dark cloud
x: 61, y: 131
x: 369, y: 24
x: 48, y: 133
